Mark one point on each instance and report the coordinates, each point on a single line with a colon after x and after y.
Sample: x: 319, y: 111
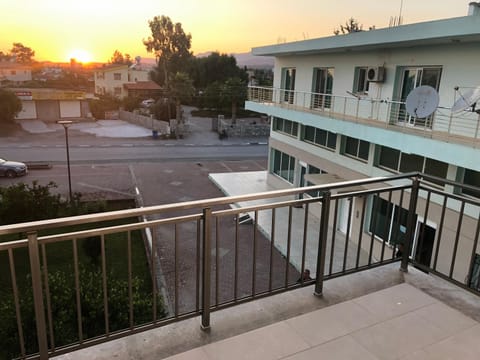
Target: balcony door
x: 288, y: 85
x: 412, y: 78
x: 322, y: 86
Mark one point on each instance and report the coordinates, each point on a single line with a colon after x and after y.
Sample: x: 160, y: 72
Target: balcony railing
x: 463, y: 127
x: 210, y: 254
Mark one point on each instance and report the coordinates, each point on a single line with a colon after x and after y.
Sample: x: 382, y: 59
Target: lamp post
x: 66, y: 124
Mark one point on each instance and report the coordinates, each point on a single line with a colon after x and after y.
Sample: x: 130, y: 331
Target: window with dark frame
x: 356, y: 148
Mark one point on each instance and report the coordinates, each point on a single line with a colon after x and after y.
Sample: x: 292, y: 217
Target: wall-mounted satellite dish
x: 469, y: 99
x: 422, y: 101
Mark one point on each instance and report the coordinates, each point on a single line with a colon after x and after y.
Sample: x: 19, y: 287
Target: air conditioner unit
x: 376, y: 74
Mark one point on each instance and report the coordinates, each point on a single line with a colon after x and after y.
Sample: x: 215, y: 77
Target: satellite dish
x: 422, y: 101
x: 469, y: 99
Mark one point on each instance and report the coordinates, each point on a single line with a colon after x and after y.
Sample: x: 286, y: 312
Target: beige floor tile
x: 195, y: 354
x: 394, y: 301
x: 417, y: 355
x: 399, y: 336
x: 271, y: 342
x: 449, y: 320
x: 462, y: 346
x: 344, y: 348
x: 329, y: 323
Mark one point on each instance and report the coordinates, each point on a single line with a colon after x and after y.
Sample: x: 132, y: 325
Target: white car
x: 148, y: 102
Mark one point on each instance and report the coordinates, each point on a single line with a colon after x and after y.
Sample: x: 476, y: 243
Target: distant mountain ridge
x: 243, y: 59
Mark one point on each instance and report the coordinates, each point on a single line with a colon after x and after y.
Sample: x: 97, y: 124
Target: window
x: 288, y: 84
x: 410, y: 78
x: 283, y: 165
x: 322, y: 88
x: 356, y: 148
x: 13, y: 72
x: 117, y: 91
x: 319, y: 137
x: 388, y: 221
x: 471, y: 177
x: 401, y: 162
x: 361, y: 83
x: 117, y: 76
x: 285, y: 126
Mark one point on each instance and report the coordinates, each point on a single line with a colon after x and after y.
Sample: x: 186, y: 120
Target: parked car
x: 12, y: 168
x: 148, y: 102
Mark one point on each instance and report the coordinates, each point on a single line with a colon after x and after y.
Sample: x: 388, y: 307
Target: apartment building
x: 338, y: 112
x: 15, y: 73
x: 112, y: 79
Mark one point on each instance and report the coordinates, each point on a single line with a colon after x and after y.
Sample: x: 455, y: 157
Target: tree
x: 181, y: 90
x: 10, y: 106
x: 119, y: 58
x: 21, y: 202
x: 170, y: 45
x: 22, y: 54
x: 351, y: 25
x: 234, y: 90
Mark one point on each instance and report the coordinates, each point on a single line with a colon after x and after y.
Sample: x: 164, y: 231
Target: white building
x: 338, y: 112
x: 111, y: 79
x: 13, y: 72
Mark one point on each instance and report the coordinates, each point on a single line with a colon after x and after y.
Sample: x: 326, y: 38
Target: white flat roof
x: 461, y: 29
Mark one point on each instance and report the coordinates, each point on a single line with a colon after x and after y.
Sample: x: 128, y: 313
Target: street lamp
x: 66, y: 124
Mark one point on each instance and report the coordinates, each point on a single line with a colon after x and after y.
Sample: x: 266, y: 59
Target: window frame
x: 358, y: 146
x: 283, y: 158
x: 361, y: 84
x: 328, y: 136
x: 284, y: 126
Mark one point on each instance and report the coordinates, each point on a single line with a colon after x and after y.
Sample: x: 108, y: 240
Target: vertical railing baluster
x: 235, y: 277
x: 347, y: 235
x: 322, y: 242
x: 272, y: 241
x: 129, y: 270
x: 104, y: 285
x: 16, y: 301
x: 472, y: 256
x: 217, y: 237
x: 77, y: 290
x: 410, y: 233
x: 457, y: 239
x: 38, y: 295
x: 48, y: 297
x: 388, y: 222
x: 153, y: 273
x: 421, y: 235
x: 396, y: 229
x: 197, y: 297
x: 373, y: 225
x: 304, y: 245
x: 334, y: 236
x: 440, y: 231
x: 206, y: 268
x: 254, y: 255
x: 176, y: 268
x: 289, y: 243
x: 360, y: 231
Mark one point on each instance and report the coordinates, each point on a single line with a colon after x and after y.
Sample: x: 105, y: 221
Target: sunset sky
x: 93, y: 29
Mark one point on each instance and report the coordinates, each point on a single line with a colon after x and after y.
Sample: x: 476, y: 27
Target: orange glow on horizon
x: 80, y: 55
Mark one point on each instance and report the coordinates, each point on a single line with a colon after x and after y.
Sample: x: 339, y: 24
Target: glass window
x: 320, y: 137
x: 332, y: 140
x: 117, y: 76
x: 288, y: 84
x: 471, y: 177
x: 117, y: 91
x: 389, y: 158
x: 283, y: 165
x: 322, y: 86
x: 411, y: 162
x: 356, y: 148
x: 361, y: 83
x: 285, y: 126
x: 309, y: 133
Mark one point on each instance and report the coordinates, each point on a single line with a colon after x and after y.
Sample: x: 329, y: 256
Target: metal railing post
x: 410, y: 233
x: 322, y: 243
x: 206, y: 268
x: 35, y: 269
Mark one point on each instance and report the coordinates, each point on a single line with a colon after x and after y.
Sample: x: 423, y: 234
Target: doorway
x: 424, y: 240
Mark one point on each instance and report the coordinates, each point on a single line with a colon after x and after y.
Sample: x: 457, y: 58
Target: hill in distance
x: 243, y: 60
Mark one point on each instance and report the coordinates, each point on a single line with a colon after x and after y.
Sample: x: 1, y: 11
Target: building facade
x: 112, y: 79
x: 15, y: 73
x: 338, y: 111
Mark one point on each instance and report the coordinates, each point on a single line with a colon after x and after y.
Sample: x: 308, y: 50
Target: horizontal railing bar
x: 23, y: 243
x: 120, y: 214
x: 117, y: 228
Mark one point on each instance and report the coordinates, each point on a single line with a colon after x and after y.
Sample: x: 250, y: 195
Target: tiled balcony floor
x: 400, y: 322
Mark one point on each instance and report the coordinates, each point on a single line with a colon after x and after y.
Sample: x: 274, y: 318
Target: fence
x: 205, y: 256
x: 161, y: 127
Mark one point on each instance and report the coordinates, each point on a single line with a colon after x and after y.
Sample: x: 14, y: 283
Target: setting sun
x: 80, y: 55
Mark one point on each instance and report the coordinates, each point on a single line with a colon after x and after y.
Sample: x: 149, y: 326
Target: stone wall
x: 255, y: 127
x: 145, y: 121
